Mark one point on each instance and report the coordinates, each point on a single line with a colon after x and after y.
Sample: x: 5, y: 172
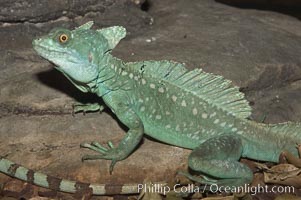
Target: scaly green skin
x: 190, y: 109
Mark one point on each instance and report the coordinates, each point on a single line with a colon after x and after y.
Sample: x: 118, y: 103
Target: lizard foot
x: 91, y: 107
x: 110, y: 153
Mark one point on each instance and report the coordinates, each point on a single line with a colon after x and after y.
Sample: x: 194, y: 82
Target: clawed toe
x: 95, y: 146
x: 91, y: 157
x: 107, y: 153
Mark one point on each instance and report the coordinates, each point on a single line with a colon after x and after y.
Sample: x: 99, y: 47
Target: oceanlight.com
x: 177, y: 188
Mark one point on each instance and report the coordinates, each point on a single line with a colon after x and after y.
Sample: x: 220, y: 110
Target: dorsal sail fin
x: 214, y: 89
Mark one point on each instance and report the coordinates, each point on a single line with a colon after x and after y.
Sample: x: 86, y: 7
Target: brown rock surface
x: 258, y: 50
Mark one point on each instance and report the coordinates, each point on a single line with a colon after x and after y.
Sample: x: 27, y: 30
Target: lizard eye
x: 63, y: 38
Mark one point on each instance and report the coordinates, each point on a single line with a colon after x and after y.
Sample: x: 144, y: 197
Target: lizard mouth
x: 48, y: 52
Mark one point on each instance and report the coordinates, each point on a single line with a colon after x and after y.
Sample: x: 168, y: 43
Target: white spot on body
x: 183, y: 103
x: 158, y: 116
x: 240, y: 132
x: 196, y: 133
x: 223, y: 124
x: 204, y: 115
x: 146, y: 99
x: 124, y: 73
x: 174, y: 98
x: 196, y: 137
x: 168, y: 126
x: 194, y: 111
x: 213, y: 114
x: 167, y: 113
x: 142, y: 109
x: 136, y: 78
x: 140, y: 100
x: 234, y: 129
x: 153, y: 86
x: 161, y: 90
x: 143, y: 81
x: 216, y: 121
x: 131, y: 76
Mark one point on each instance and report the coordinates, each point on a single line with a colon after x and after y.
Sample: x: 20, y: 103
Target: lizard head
x: 78, y: 53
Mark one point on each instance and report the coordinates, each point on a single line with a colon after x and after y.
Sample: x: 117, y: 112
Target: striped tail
x: 14, y: 170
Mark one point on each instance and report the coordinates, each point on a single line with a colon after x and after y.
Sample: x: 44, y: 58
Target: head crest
x: 113, y: 34
x: 85, y: 26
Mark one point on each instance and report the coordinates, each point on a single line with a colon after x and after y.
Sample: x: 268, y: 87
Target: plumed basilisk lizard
x: 189, y: 109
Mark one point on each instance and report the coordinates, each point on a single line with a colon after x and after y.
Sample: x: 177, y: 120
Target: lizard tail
x: 287, y: 129
x: 17, y: 171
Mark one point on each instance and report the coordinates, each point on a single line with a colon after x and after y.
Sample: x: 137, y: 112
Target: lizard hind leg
x: 218, y: 158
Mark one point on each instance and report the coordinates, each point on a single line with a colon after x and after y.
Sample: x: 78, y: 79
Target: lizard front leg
x: 127, y: 145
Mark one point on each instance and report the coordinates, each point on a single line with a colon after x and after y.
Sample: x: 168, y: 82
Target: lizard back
x: 184, y: 106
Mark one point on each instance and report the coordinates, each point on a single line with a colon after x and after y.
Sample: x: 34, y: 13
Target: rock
x: 33, y: 11
x: 258, y: 50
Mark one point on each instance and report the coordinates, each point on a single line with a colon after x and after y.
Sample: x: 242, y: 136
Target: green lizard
x: 189, y: 109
